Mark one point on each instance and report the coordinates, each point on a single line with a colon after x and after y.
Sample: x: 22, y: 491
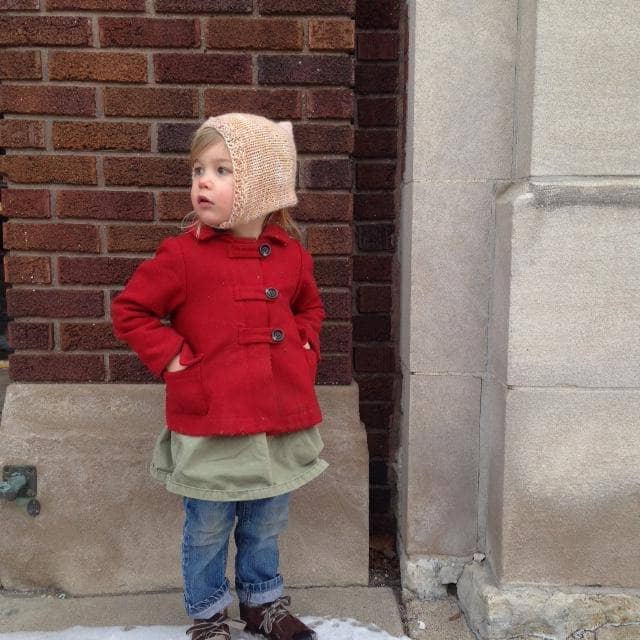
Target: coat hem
x: 225, y: 495
x: 287, y: 424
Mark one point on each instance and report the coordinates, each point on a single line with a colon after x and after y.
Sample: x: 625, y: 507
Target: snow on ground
x: 326, y: 628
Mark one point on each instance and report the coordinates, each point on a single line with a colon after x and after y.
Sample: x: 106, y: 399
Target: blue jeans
x: 205, y: 543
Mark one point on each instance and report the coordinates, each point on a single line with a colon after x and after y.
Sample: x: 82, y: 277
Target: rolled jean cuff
x: 257, y: 593
x: 213, y: 604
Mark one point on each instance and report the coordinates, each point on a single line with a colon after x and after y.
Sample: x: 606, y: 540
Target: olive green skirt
x: 237, y: 467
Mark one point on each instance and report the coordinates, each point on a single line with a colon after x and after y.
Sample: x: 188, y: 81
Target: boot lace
x: 275, y: 612
x: 214, y: 629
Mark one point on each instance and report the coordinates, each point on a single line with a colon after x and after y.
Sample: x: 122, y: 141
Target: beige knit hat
x: 263, y: 154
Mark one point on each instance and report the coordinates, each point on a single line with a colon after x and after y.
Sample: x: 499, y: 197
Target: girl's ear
x: 287, y: 126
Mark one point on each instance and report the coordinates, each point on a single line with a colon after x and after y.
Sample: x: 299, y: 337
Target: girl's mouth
x: 203, y: 200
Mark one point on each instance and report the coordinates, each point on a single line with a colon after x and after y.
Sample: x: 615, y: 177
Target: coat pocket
x: 312, y: 362
x: 184, y: 389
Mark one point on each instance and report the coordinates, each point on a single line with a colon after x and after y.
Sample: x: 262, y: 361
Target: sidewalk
x: 378, y: 606
x: 20, y: 612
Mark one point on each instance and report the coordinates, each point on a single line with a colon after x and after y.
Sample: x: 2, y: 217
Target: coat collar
x: 272, y: 231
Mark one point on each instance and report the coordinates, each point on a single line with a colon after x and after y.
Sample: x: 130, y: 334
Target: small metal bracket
x: 30, y: 490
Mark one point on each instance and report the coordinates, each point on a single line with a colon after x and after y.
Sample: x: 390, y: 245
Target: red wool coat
x: 241, y: 310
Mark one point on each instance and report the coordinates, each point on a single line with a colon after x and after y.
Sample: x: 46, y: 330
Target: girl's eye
x: 223, y: 170
x: 197, y: 171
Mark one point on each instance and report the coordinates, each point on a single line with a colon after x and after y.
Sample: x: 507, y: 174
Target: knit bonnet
x: 263, y: 155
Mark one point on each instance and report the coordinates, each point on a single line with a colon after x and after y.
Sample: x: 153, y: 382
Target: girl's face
x: 212, y: 185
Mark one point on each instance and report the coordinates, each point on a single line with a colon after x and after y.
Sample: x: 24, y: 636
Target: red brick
x: 375, y: 175
x: 330, y: 239
x: 305, y: 69
x: 19, y: 5
x: 45, y: 31
x: 54, y: 303
x: 333, y: 271
x: 374, y: 298
x: 173, y: 205
x: 323, y: 206
x: 203, y: 68
x: 148, y: 32
x: 151, y: 102
x: 125, y: 136
x: 21, y: 134
x: 375, y: 45
x: 382, y: 524
x: 323, y: 138
x: 336, y: 337
x: 377, y: 440
x: 56, y: 368
x: 374, y: 358
x: 254, y: 33
x: 330, y: 104
x: 376, y: 415
x: 381, y: 14
x: 282, y: 104
x: 43, y: 169
x: 175, y: 137
x: 128, y: 368
x: 372, y: 268
x: 97, y: 5
x: 101, y: 67
x: 327, y: 174
x: 374, y: 206
x: 375, y: 237
x: 66, y: 101
x: 88, y: 336
x: 105, y: 205
x: 334, y: 369
x: 204, y: 6
x: 27, y: 269
x: 51, y: 237
x: 344, y: 7
x: 376, y: 143
x: 137, y: 237
x: 31, y: 335
x: 377, y: 112
x: 371, y: 328
x: 96, y: 270
x: 20, y: 65
x: 331, y: 35
x: 337, y: 304
x: 25, y: 203
x: 378, y: 471
x: 375, y: 386
x: 376, y: 78
x: 147, y: 171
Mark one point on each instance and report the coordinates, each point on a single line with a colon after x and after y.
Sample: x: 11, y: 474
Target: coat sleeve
x: 307, y: 306
x: 154, y: 290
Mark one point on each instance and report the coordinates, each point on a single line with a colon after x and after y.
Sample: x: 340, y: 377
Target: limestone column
x: 561, y: 398
x: 460, y: 89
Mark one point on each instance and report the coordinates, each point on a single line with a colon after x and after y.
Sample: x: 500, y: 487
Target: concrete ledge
x: 106, y: 526
x: 496, y: 612
x: 48, y: 613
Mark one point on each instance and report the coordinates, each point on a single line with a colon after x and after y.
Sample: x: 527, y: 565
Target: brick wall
x: 378, y: 147
x: 99, y: 98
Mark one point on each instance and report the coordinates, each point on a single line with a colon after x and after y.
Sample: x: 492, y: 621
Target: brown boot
x: 214, y: 628
x: 273, y: 621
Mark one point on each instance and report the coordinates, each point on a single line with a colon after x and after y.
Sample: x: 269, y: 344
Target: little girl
x: 239, y: 360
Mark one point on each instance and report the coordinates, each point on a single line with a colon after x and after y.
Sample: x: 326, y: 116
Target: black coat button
x: 277, y: 335
x: 271, y: 292
x: 265, y: 249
